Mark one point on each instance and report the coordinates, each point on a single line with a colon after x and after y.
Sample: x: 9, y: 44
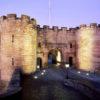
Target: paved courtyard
x: 48, y: 85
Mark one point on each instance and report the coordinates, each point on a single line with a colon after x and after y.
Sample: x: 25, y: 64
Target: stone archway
x: 54, y: 57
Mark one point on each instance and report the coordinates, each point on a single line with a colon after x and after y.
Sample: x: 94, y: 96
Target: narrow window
x: 39, y: 45
x: 12, y: 38
x: 12, y: 61
x: 70, y: 45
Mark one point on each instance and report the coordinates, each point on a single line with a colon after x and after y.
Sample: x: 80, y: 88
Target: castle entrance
x: 54, y: 57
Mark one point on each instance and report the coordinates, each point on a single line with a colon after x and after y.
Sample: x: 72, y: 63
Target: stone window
x: 12, y: 38
x: 39, y: 45
x: 12, y: 61
x: 71, y: 45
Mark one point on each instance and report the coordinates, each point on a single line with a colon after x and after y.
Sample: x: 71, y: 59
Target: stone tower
x: 88, y: 40
x: 17, y: 45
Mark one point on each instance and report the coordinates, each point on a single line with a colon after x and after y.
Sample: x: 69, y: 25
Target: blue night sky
x: 69, y: 13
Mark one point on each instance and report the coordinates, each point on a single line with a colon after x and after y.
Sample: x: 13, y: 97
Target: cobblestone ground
x: 49, y: 86
x: 46, y: 85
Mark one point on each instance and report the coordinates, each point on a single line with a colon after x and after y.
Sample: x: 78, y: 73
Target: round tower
x: 18, y: 41
x: 88, y: 56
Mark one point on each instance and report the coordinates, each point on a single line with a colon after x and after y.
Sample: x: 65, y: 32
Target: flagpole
x: 49, y: 12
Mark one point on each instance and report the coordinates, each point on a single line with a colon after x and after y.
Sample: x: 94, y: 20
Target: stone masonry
x: 23, y: 43
x: 18, y: 38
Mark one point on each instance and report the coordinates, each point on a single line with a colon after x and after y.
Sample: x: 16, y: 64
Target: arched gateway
x: 54, y: 57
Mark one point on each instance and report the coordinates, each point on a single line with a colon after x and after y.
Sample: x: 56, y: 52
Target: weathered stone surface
x: 22, y: 41
x: 88, y: 41
x: 54, y: 39
x: 18, y: 41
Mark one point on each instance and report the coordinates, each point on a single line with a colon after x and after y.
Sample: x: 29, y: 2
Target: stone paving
x: 92, y: 78
x: 48, y: 84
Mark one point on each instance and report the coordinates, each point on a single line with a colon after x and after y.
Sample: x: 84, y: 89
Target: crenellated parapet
x: 11, y: 16
x: 54, y: 28
x: 57, y: 29
x: 91, y: 25
x: 23, y: 19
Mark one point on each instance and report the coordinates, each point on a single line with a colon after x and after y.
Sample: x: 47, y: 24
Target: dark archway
x: 54, y: 57
x: 70, y: 61
x: 39, y: 62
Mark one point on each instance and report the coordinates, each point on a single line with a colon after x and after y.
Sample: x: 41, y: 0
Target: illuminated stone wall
x: 84, y: 40
x: 19, y: 38
x: 88, y: 55
x: 57, y: 38
x: 18, y: 41
x: 96, y: 48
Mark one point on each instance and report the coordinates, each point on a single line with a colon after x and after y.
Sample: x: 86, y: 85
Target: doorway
x: 39, y: 62
x: 70, y: 61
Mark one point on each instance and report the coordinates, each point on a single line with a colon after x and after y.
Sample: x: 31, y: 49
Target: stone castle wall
x: 20, y: 37
x: 88, y: 41
x: 18, y: 41
x: 80, y: 43
x: 54, y: 38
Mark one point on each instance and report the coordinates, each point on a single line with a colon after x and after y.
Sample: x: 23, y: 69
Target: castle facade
x: 25, y: 45
x: 79, y: 47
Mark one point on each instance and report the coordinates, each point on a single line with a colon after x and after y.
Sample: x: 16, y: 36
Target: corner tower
x: 18, y: 41
x: 88, y: 55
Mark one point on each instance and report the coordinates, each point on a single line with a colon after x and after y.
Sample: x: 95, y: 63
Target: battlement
x: 23, y: 18
x: 53, y: 28
x: 82, y: 25
x: 68, y: 30
x: 45, y: 27
x: 56, y: 28
x: 27, y: 19
x: 92, y: 25
x: 12, y: 16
